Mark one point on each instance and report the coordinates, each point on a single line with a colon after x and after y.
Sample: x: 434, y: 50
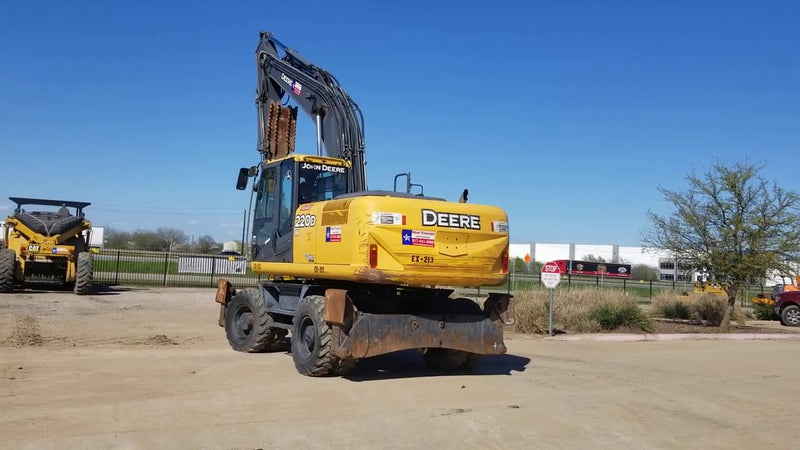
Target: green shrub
x: 711, y: 308
x: 671, y: 306
x: 763, y: 308
x: 626, y: 313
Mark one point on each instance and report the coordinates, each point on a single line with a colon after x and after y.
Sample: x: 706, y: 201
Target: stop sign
x: 551, y: 275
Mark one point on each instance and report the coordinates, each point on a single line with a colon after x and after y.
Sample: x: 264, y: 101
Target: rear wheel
x: 8, y: 264
x: 84, y: 273
x: 248, y: 325
x: 312, y: 341
x: 790, y: 316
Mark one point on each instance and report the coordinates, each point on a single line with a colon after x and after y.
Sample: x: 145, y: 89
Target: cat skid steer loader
x: 46, y: 246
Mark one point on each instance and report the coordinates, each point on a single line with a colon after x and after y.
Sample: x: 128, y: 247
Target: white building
x: 612, y: 253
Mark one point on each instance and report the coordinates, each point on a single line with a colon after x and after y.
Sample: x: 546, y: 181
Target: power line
x: 101, y: 205
x: 176, y: 213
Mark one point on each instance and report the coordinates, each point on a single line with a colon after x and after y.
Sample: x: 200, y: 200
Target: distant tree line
x: 162, y: 239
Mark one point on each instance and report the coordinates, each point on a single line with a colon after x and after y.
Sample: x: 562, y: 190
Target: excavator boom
x: 284, y: 74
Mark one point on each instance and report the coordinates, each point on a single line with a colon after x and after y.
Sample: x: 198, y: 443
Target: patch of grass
x: 676, y: 310
x: 578, y: 310
x: 671, y: 306
x: 622, y: 313
x: 710, y: 307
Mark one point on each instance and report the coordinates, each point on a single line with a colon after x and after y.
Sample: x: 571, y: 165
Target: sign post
x: 551, y: 276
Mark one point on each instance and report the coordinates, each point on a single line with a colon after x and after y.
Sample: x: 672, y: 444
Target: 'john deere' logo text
x: 431, y: 218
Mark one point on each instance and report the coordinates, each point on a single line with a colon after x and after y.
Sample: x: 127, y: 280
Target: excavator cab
x: 281, y: 189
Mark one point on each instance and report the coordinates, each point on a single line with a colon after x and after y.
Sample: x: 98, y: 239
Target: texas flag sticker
x: 333, y: 234
x: 418, y: 237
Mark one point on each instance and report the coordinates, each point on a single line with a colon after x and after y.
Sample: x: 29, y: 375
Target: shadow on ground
x: 97, y: 289
x: 409, y: 364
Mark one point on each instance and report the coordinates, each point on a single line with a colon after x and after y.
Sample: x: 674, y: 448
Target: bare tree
x: 206, y: 244
x: 116, y: 239
x: 171, y: 237
x: 644, y: 272
x: 146, y: 240
x: 519, y: 266
x: 732, y: 223
x: 591, y: 258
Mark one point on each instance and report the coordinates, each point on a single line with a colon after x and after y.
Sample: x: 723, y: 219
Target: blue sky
x: 568, y: 114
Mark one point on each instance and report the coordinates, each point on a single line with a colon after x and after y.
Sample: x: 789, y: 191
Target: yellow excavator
x: 351, y: 272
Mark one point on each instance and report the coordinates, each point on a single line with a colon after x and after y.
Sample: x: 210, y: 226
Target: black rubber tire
x: 48, y: 223
x: 446, y: 359
x: 790, y: 316
x: 248, y: 326
x: 8, y: 265
x: 84, y: 272
x: 312, y: 341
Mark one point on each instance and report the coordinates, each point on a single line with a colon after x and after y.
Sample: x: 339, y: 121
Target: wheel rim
x: 242, y: 323
x: 793, y: 316
x: 307, y: 338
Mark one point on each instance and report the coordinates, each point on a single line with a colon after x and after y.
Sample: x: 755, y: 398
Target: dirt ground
x: 151, y: 369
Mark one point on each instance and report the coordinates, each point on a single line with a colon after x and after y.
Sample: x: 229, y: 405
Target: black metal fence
x: 177, y: 269
x: 645, y: 290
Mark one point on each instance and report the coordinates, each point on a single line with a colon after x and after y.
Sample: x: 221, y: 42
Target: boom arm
x: 339, y: 122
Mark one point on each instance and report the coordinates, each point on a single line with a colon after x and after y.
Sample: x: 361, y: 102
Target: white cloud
x: 5, y: 207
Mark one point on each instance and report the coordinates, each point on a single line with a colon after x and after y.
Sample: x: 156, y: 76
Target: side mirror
x: 241, y: 182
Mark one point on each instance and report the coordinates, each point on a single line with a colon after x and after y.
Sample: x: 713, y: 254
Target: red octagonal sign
x: 551, y: 275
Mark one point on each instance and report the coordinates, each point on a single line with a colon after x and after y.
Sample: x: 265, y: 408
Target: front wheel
x: 8, y: 264
x: 248, y: 325
x: 790, y: 316
x: 84, y: 273
x: 312, y: 341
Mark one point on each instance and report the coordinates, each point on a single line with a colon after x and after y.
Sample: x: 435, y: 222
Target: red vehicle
x: 598, y: 269
x: 787, y: 307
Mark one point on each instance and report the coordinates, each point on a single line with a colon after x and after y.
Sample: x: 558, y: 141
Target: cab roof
x: 46, y: 202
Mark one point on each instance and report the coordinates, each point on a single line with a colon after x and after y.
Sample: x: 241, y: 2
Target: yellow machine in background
x: 783, y: 285
x: 353, y: 272
x: 708, y: 288
x: 47, y: 246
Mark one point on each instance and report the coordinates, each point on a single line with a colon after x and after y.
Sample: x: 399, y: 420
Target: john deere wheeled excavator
x: 353, y: 273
